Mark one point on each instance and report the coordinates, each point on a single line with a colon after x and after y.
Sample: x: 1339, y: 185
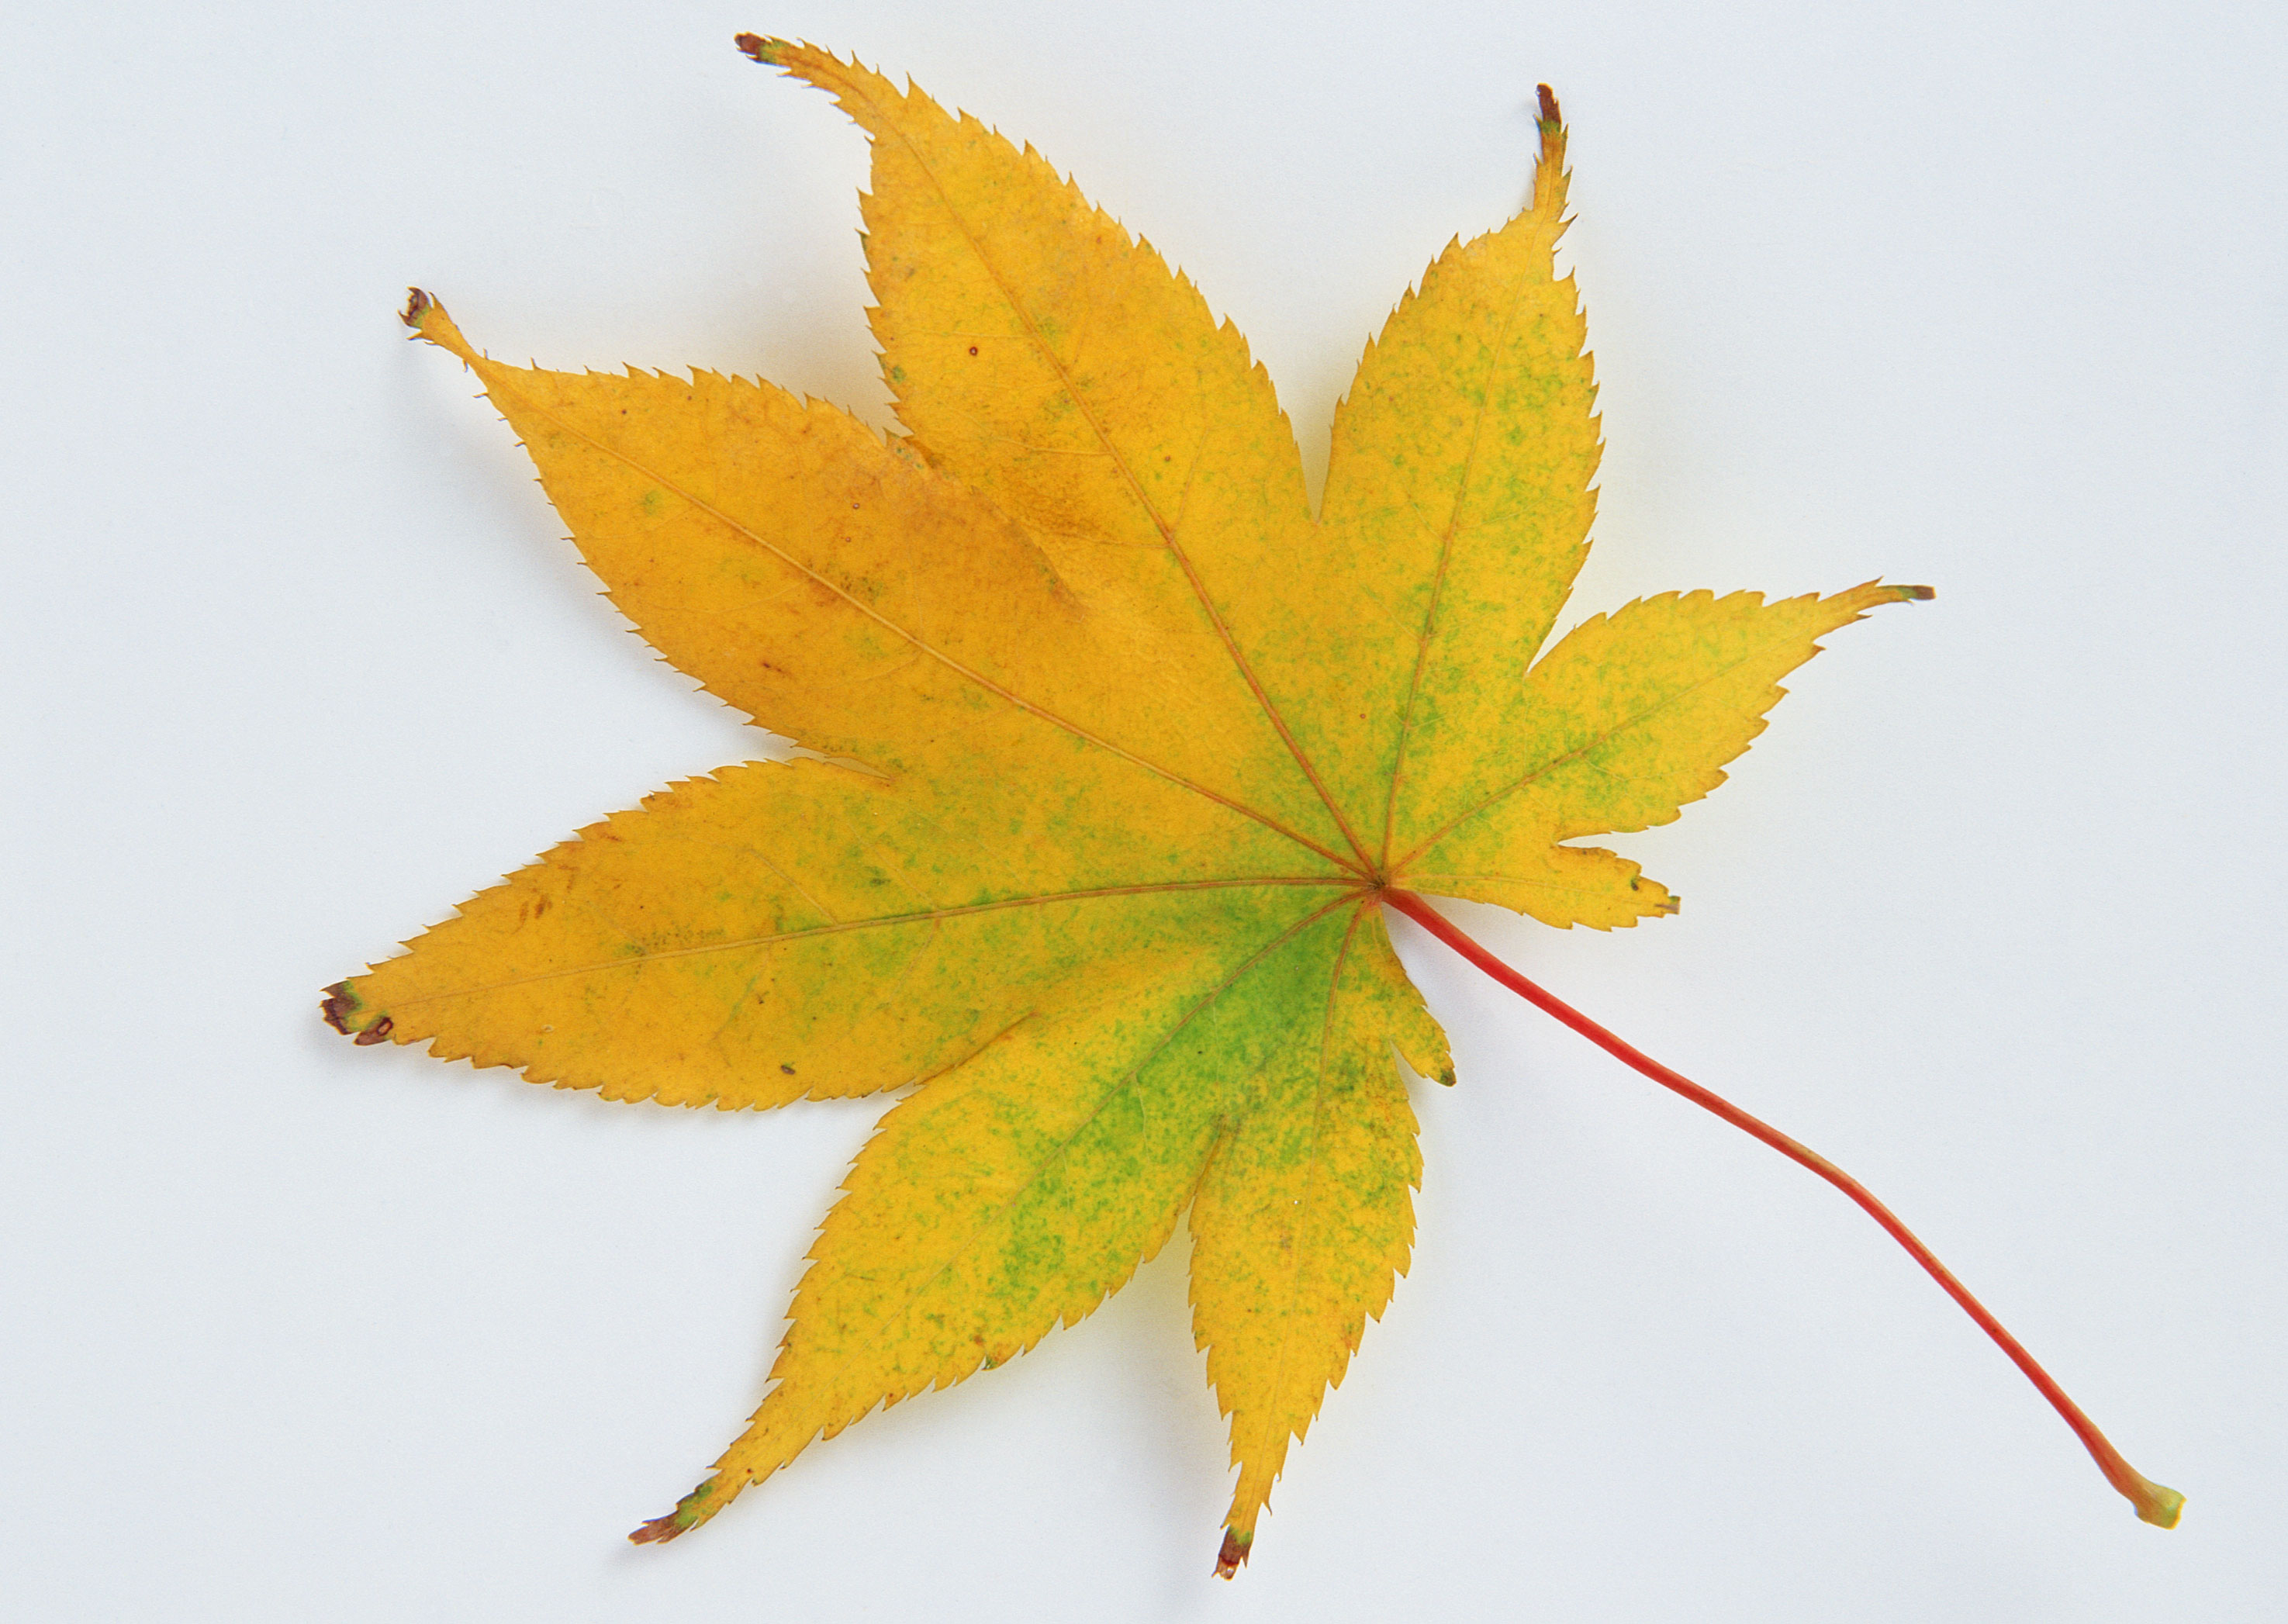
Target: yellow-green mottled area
x: 1118, y: 747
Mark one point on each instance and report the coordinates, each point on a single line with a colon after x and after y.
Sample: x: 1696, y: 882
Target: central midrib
x: 967, y: 673
x: 1363, y: 863
x: 889, y: 922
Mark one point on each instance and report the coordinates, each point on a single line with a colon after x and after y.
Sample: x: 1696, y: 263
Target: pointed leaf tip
x: 340, y: 1005
x: 1234, y: 1553
x: 427, y: 319
x: 689, y: 1512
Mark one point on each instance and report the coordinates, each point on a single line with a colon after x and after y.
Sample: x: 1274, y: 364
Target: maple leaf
x: 1119, y: 754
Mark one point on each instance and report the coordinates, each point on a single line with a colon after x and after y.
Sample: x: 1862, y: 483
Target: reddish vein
x: 2155, y: 1504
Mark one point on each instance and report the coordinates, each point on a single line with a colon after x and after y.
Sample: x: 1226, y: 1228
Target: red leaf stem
x: 2155, y: 1504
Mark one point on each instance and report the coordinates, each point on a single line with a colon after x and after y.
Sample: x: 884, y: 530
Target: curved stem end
x: 2157, y: 1505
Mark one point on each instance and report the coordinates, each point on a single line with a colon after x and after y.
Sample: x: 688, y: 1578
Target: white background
x: 1991, y: 297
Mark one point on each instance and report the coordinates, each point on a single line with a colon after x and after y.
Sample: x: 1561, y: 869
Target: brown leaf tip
x: 656, y: 1532
x: 689, y: 1513
x: 377, y: 1033
x: 758, y: 49
x: 1919, y: 594
x: 1548, y: 105
x: 1234, y: 1553
x: 416, y: 307
x: 337, y: 1006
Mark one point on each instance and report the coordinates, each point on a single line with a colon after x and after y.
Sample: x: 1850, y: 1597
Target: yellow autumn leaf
x: 1119, y: 753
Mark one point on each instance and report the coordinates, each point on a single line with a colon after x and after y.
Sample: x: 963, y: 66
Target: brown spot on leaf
x: 377, y: 1033
x: 789, y: 1070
